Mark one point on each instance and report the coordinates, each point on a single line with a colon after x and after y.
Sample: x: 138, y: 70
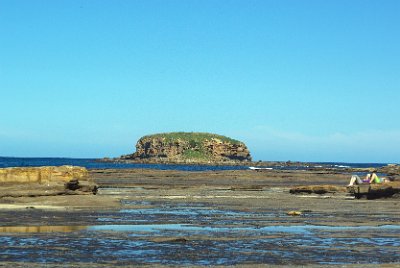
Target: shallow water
x: 127, y: 244
x: 199, y: 234
x: 180, y: 229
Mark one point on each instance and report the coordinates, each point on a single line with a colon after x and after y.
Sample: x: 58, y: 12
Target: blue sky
x: 295, y: 80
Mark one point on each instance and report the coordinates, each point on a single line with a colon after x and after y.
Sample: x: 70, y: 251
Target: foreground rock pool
x: 182, y: 233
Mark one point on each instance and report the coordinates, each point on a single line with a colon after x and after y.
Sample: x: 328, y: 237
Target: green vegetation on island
x: 194, y: 138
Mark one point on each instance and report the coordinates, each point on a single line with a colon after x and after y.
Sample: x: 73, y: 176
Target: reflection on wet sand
x: 40, y: 229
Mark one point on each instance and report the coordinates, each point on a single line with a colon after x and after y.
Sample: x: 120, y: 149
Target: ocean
x: 95, y: 164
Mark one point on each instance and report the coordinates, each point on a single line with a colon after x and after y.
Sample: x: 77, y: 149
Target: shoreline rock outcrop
x: 185, y: 147
x: 45, y: 181
x: 390, y: 169
x: 375, y: 191
x: 368, y: 191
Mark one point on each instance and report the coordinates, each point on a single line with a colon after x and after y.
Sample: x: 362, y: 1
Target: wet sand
x: 157, y: 218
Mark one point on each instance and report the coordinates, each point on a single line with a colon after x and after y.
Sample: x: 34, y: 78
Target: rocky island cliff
x: 189, y: 147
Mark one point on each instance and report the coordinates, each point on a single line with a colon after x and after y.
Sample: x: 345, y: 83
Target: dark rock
x: 72, y: 185
x: 247, y: 188
x: 317, y: 189
x: 84, y: 187
x: 170, y: 240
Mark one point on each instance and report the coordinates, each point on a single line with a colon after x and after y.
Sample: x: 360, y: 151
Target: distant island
x: 189, y: 147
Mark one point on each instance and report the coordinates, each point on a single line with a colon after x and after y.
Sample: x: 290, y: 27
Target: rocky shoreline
x: 391, y: 169
x: 70, y: 180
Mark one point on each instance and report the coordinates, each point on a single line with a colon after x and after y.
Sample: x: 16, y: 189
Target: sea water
x: 95, y: 164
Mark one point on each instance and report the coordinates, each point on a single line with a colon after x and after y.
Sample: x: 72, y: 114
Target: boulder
x: 294, y: 213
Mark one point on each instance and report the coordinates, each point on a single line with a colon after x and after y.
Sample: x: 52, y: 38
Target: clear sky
x: 295, y: 80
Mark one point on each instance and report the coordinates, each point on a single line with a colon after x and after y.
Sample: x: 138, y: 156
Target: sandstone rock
x: 42, y: 174
x: 45, y: 181
x: 294, y: 213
